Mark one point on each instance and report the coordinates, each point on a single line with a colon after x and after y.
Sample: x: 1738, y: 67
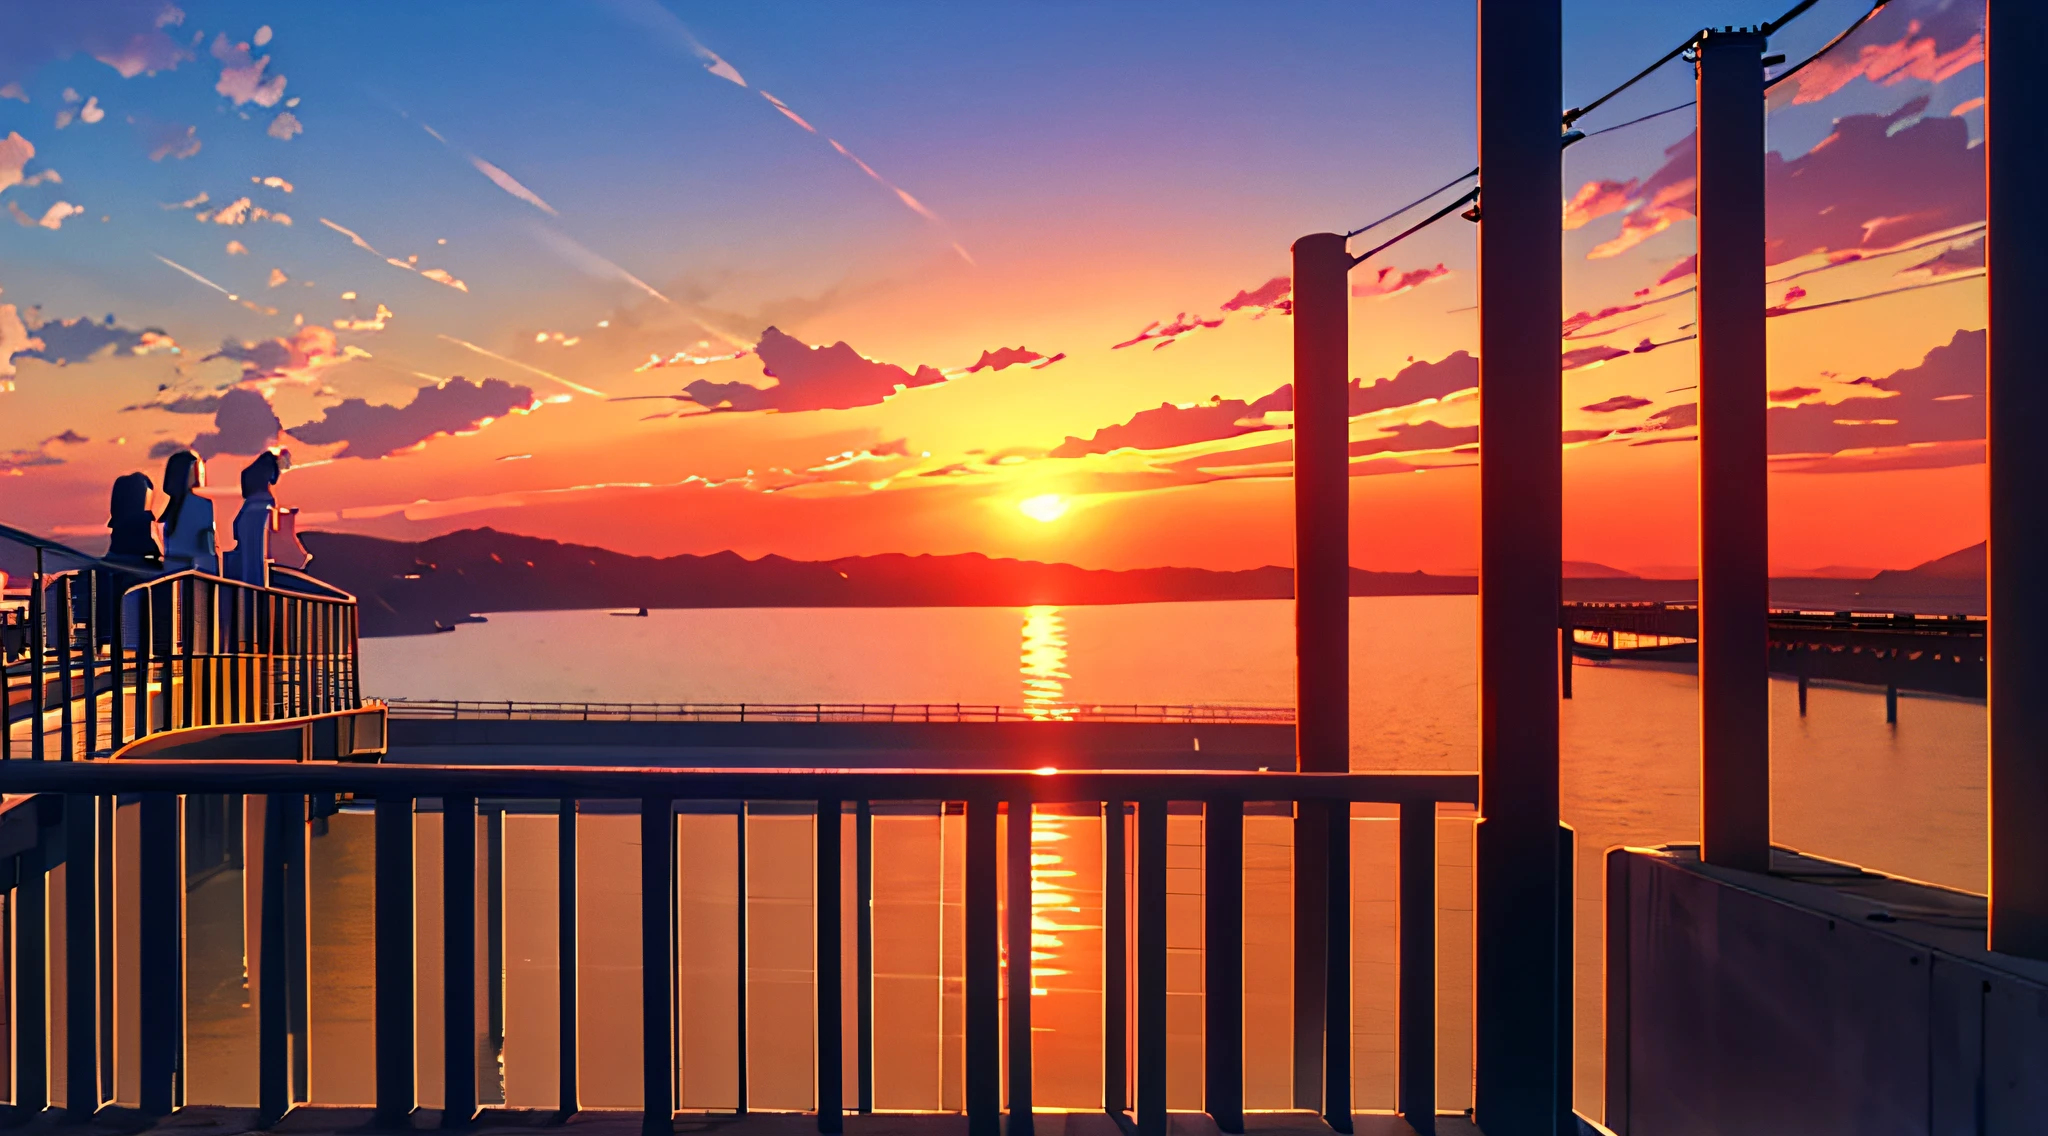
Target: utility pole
x: 1322, y: 614
x: 2017, y: 410
x: 1734, y: 637
x: 1521, y: 492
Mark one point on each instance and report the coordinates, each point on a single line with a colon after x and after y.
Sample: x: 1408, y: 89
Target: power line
x: 1405, y: 208
x: 1633, y: 121
x: 1470, y: 195
x: 1826, y: 47
x: 1572, y: 116
x: 1876, y: 295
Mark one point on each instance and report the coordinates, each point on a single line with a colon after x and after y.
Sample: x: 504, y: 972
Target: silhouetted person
x: 134, y: 526
x: 189, y: 540
x: 133, y: 546
x: 251, y: 556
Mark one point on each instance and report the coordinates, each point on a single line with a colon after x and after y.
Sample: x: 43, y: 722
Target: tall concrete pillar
x: 1322, y: 620
x: 2016, y: 250
x: 1735, y: 684
x: 1521, y: 492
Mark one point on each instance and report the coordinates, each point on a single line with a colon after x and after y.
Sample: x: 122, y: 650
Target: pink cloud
x: 1877, y: 181
x: 1272, y: 296
x: 1003, y: 357
x: 811, y: 378
x: 1925, y: 41
x: 1949, y: 262
x: 127, y: 35
x: 1392, y: 281
x: 1169, y: 425
x: 168, y: 139
x: 375, y: 430
x: 1579, y: 357
x: 242, y: 78
x: 1618, y: 402
x: 1160, y: 334
x: 1597, y: 199
x: 1680, y: 271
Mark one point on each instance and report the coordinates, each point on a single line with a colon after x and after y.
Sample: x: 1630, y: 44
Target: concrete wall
x: 1818, y: 999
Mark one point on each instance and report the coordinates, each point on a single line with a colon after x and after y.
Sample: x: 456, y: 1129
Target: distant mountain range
x: 411, y: 588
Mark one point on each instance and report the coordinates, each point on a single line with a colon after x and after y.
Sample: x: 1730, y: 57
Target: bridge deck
x: 324, y: 1120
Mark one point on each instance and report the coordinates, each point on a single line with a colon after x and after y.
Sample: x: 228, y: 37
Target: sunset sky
x: 823, y: 280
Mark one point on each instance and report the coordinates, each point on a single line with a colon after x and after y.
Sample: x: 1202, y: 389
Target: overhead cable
x: 1405, y: 208
x: 1874, y: 295
x: 1826, y: 47
x: 1633, y: 121
x: 1470, y: 195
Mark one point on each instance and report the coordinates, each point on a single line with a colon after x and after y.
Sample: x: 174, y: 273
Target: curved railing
x: 105, y: 654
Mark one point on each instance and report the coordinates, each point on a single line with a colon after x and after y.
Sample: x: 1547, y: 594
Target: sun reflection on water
x: 1050, y: 900
x: 1044, y: 664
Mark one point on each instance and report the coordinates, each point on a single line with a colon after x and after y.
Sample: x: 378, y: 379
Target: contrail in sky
x: 591, y: 391
x: 657, y: 19
x: 195, y: 276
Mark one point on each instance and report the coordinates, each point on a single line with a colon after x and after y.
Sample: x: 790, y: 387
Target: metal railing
x: 510, y: 710
x: 170, y: 652
x: 80, y: 792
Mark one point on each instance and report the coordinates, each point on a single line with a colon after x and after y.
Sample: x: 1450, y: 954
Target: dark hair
x: 130, y: 519
x: 130, y: 498
x: 179, y: 474
x: 260, y: 475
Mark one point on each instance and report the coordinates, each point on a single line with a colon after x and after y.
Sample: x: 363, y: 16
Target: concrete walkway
x: 324, y: 1120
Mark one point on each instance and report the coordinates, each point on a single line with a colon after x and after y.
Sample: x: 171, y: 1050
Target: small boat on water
x: 642, y: 613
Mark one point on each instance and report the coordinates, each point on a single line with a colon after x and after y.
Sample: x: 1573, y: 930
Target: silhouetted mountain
x: 1952, y: 584
x: 411, y: 588
x: 1965, y: 564
x: 1594, y: 570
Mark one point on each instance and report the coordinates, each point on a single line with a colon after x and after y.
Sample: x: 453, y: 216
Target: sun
x: 1044, y: 508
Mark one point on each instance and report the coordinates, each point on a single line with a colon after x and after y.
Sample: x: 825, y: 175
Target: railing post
x: 298, y: 954
x: 1151, y: 968
x: 81, y: 957
x: 1337, y: 980
x: 30, y: 1013
x: 67, y: 644
x: 1116, y: 939
x: 1734, y: 636
x: 1417, y: 1067
x: 831, y: 1025
x: 117, y: 665
x: 1311, y: 854
x: 397, y: 1094
x: 864, y: 950
x: 565, y: 906
x: 494, y: 934
x: 1521, y: 476
x: 458, y: 960
x: 145, y: 653
x: 657, y: 963
x: 162, y: 884
x: 984, y: 1013
x: 107, y: 806
x: 1223, y: 954
x: 740, y: 926
x: 37, y: 634
x: 92, y: 662
x: 273, y: 1042
x: 1017, y: 861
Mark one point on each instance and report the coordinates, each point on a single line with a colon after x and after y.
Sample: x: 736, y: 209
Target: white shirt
x: 191, y: 543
